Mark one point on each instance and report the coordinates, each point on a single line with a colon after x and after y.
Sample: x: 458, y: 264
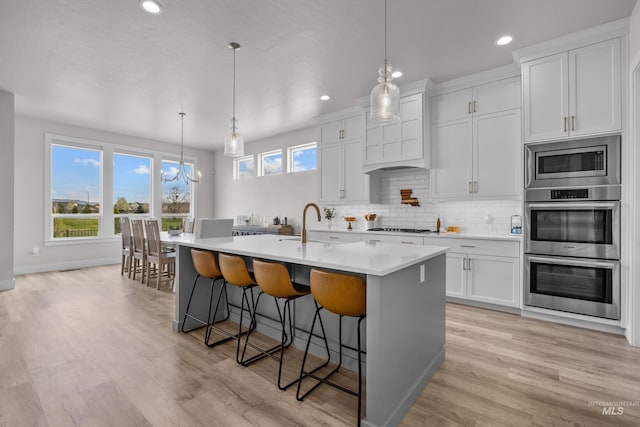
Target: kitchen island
x: 405, y: 324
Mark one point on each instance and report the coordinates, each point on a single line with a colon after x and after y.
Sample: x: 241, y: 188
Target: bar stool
x: 235, y: 272
x: 344, y: 295
x: 206, y: 266
x: 274, y: 280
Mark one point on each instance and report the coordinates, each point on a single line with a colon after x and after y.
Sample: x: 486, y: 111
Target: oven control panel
x: 582, y: 193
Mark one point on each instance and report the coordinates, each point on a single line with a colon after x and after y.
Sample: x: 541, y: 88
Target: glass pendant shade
x: 385, y: 98
x: 233, y: 141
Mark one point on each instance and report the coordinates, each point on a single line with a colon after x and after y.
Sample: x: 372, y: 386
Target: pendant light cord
x: 385, y: 41
x: 182, y: 114
x: 234, y: 89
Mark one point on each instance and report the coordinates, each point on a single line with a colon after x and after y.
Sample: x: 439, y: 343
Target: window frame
x: 236, y: 166
x: 264, y: 154
x: 106, y: 232
x: 301, y: 147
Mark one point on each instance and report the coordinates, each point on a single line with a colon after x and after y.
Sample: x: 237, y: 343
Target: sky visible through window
x: 304, y: 159
x: 246, y: 167
x: 272, y: 164
x: 131, y: 178
x: 75, y: 174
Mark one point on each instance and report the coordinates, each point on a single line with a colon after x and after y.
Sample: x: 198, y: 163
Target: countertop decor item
x: 233, y: 142
x: 349, y: 220
x: 370, y: 219
x: 407, y: 199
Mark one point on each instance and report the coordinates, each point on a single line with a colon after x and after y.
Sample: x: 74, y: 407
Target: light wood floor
x: 90, y: 348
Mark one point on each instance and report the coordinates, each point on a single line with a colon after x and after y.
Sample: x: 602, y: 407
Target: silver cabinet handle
x: 564, y: 126
x: 342, y: 193
x: 475, y: 106
x: 573, y: 122
x: 334, y: 237
x: 469, y: 107
x: 375, y: 240
x: 467, y: 246
x: 475, y: 186
x: 470, y: 187
x: 464, y: 264
x: 407, y: 243
x: 468, y: 264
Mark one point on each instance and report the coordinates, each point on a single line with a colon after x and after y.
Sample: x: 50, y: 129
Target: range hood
x: 373, y: 169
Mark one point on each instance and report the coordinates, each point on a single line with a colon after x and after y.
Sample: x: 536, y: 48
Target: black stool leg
x: 186, y: 312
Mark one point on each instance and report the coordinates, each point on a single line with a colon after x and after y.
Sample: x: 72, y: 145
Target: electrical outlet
x: 35, y: 251
x: 422, y: 273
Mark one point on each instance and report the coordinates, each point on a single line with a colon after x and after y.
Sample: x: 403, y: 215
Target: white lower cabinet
x: 487, y: 271
x: 332, y: 236
x: 386, y: 238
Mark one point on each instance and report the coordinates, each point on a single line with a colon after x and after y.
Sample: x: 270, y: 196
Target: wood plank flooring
x: 91, y: 348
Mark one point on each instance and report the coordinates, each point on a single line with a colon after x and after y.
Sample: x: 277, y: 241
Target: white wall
x: 268, y: 196
x: 634, y: 32
x: 6, y: 189
x: 29, y: 195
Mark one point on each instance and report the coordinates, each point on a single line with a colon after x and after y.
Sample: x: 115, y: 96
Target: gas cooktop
x: 401, y: 230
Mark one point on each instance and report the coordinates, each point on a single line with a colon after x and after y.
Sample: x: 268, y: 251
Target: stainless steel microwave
x: 592, y: 162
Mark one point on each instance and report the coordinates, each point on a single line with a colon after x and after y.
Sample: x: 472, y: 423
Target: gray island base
x: 405, y: 324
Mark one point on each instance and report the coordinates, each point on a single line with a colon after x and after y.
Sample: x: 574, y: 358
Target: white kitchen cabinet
x: 573, y: 93
x: 397, y: 142
x: 486, y: 271
x: 343, y: 129
x: 333, y: 236
x: 478, y: 153
x: 386, y: 238
x: 340, y: 155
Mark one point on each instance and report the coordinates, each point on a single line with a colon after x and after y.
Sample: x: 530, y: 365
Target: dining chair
x: 187, y: 225
x: 127, y: 246
x: 139, y: 250
x: 158, y: 255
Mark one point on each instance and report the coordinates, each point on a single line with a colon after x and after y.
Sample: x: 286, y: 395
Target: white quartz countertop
x: 508, y: 237
x: 377, y: 259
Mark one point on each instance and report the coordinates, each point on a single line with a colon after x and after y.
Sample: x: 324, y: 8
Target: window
x: 91, y: 185
x: 75, y: 192
x: 131, y: 186
x: 302, y: 158
x: 270, y: 163
x: 243, y: 167
x: 176, y: 196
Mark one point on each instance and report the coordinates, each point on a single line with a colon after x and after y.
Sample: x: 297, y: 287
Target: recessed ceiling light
x: 151, y: 6
x: 504, y: 40
x: 396, y: 74
x: 325, y: 97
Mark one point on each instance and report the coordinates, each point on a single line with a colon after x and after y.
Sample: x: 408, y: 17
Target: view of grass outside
x: 75, y: 227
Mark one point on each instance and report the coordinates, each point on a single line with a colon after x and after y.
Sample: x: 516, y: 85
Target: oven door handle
x: 564, y: 205
x: 609, y: 265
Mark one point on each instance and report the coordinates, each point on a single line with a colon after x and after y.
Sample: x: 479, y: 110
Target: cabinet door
x: 451, y: 106
x: 353, y: 128
x: 330, y: 133
x: 329, y: 171
x: 545, y: 98
x: 594, y: 88
x: 497, y: 151
x: 451, y: 159
x: 456, y: 275
x: 356, y: 182
x: 493, y: 280
x: 496, y: 96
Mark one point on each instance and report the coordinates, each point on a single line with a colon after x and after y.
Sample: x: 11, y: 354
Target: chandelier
x: 182, y: 171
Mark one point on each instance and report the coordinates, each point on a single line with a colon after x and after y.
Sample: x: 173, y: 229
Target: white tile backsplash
x: 473, y: 216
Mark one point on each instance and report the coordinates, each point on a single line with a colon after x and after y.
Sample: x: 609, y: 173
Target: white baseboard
x: 7, y: 284
x: 69, y: 265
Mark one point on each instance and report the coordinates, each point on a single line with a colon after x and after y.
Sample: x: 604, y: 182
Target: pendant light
x: 385, y: 96
x: 233, y: 142
x: 182, y: 171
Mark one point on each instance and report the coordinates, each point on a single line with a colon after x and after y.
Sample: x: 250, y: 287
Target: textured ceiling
x: 109, y: 65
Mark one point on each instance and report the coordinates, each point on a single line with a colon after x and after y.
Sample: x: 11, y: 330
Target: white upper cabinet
x: 340, y: 158
x: 573, y: 93
x: 476, y: 142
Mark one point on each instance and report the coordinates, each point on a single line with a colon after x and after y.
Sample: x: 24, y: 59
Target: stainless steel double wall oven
x: 572, y: 226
